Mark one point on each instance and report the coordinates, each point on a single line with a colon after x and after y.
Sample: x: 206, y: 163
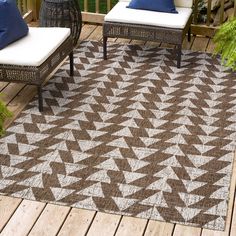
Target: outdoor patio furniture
x: 31, y: 59
x: 123, y: 22
x: 62, y: 13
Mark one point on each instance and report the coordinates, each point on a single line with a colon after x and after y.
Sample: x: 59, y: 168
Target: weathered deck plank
x: 8, y: 205
x: 210, y: 47
x: 10, y: 91
x: 26, y: 217
x: 77, y: 222
x: 159, y: 228
x: 181, y: 230
x: 3, y: 85
x: 105, y: 224
x: 23, y: 219
x: 96, y: 34
x: 130, y: 226
x: 20, y: 100
x: 50, y: 221
x: 200, y: 44
x: 233, y: 219
x: 86, y: 31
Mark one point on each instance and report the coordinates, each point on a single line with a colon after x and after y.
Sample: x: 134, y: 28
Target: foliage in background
x: 92, y: 5
x: 225, y: 40
x: 4, y: 114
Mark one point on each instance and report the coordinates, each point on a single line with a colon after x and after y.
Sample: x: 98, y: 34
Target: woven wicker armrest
x: 36, y: 75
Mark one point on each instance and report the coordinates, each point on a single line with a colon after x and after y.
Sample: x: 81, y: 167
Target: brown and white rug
x: 132, y: 135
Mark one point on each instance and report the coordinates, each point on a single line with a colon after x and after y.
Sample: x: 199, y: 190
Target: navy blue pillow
x: 154, y: 5
x: 12, y: 25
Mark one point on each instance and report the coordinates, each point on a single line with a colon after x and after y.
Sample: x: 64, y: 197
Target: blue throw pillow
x: 154, y: 5
x: 12, y: 25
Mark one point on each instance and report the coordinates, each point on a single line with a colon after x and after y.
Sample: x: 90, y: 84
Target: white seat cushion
x: 35, y: 48
x: 120, y: 13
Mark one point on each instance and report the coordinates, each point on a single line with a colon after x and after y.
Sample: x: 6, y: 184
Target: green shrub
x: 225, y: 40
x: 4, y: 113
x: 92, y: 5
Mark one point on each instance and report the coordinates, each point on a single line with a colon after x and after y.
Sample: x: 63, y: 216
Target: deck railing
x: 28, y: 9
x: 93, y: 11
x: 205, y: 28
x: 98, y: 3
x: 23, y: 5
x: 222, y: 12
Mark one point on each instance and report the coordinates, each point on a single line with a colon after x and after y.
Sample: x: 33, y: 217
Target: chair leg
x: 40, y: 98
x: 189, y: 34
x: 71, y: 56
x: 179, y: 52
x: 104, y: 47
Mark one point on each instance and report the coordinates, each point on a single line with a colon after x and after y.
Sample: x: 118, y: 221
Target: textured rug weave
x: 132, y: 135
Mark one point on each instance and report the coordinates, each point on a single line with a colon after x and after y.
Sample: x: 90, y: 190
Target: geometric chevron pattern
x: 132, y: 135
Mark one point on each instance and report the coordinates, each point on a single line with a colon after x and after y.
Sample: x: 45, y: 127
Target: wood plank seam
x: 172, y: 234
x: 62, y: 223
x: 4, y: 86
x: 11, y: 216
x: 47, y: 224
x: 37, y: 219
x: 15, y: 224
x: 233, y: 206
x: 145, y: 228
x: 15, y: 95
x: 79, y: 217
x: 118, y: 225
x: 91, y: 223
x: 233, y: 223
x: 207, y: 44
x: 201, y: 231
x: 90, y: 33
x: 191, y: 43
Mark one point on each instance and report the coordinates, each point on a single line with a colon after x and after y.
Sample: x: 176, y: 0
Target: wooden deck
x: 20, y: 217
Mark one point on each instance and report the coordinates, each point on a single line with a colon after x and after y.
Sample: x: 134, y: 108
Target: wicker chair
x: 31, y: 59
x: 123, y: 22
